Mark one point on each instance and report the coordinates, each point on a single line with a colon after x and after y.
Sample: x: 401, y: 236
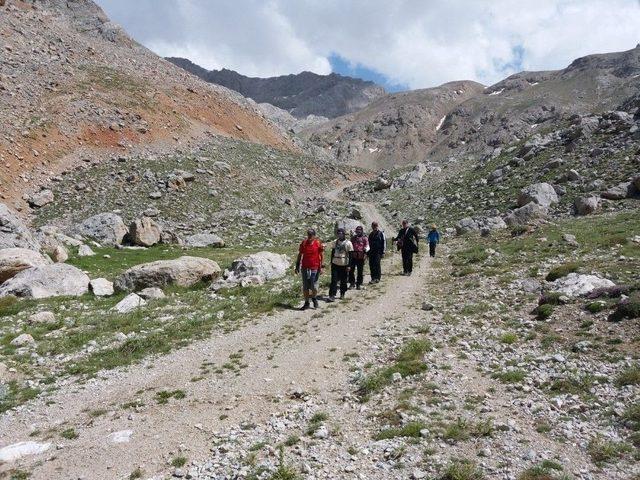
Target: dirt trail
x: 281, y: 351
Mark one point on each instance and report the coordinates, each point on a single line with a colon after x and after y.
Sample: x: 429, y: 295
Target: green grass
x: 510, y: 376
x: 16, y: 394
x: 572, y: 384
x: 461, y: 470
x: 137, y: 473
x: 179, y: 462
x: 409, y: 430
x: 69, y: 434
x: 316, y: 421
x: 602, y: 450
x: 509, y: 338
x: 546, y: 470
x: 562, y: 271
x: 628, y: 376
x: 544, y: 311
x: 283, y: 471
x: 627, y: 309
x: 164, y: 396
x: 408, y: 362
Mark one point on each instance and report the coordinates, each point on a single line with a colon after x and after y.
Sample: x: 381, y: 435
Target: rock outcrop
x: 15, y: 260
x: 105, y: 228
x: 182, y: 272
x: 13, y: 231
x: 46, y: 281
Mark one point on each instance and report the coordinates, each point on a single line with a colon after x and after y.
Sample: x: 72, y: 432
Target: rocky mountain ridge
x: 301, y: 94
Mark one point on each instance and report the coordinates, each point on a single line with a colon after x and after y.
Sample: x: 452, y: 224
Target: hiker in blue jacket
x: 433, y: 237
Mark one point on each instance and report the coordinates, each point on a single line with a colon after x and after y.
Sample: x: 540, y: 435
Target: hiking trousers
x: 374, y: 265
x: 338, y: 276
x: 432, y: 249
x: 359, y: 266
x: 407, y: 261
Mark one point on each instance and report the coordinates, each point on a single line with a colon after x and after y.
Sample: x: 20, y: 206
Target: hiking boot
x: 315, y: 302
x: 342, y: 296
x: 351, y: 286
x: 331, y: 299
x: 358, y: 287
x: 305, y: 306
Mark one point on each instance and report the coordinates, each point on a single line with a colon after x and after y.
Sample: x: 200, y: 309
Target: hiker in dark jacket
x: 407, y: 243
x: 341, y: 250
x: 377, y: 247
x: 433, y: 237
x: 360, y: 244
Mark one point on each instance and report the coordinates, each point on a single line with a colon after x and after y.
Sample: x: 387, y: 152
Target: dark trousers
x: 374, y: 265
x: 432, y: 249
x: 407, y: 260
x: 338, y: 275
x: 359, y: 266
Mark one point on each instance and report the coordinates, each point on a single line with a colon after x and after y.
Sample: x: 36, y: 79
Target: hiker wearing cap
x: 341, y: 250
x: 377, y: 247
x: 407, y: 243
x: 433, y: 237
x: 360, y: 244
x: 309, y: 265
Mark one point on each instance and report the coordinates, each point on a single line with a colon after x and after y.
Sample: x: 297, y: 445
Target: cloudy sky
x: 398, y: 43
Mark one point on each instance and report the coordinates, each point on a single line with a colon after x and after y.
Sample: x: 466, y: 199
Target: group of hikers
x: 348, y: 255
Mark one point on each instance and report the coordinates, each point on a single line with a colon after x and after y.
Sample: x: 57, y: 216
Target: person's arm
x: 299, y: 259
x: 321, y: 258
x: 384, y: 243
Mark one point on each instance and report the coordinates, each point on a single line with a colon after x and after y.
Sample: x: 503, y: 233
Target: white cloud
x: 415, y: 42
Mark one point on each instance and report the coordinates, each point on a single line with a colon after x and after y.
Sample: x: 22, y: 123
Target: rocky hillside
x: 81, y: 89
x: 393, y: 130
x: 440, y: 124
x: 301, y: 95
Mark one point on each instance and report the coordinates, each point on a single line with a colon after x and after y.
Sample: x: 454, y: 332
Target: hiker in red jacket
x: 309, y: 265
x: 360, y: 244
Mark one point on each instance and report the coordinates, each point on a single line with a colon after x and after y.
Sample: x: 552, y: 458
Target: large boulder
x: 46, y: 281
x: 144, y: 232
x: 104, y: 228
x: 469, y: 224
x: 267, y: 265
x: 575, y: 284
x: 13, y: 232
x: 586, y: 205
x: 182, y: 272
x: 40, y: 199
x: 530, y: 213
x: 619, y: 192
x: 129, y: 303
x: 14, y: 260
x: 541, y: 193
x: 410, y: 178
x: 204, y: 240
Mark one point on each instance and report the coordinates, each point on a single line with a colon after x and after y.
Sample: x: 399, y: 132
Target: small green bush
x: 409, y: 430
x: 602, y: 450
x: 562, y: 271
x: 542, y: 312
x: 627, y: 309
x: 462, y: 470
x: 629, y: 376
x: 547, y: 470
x: 596, y: 307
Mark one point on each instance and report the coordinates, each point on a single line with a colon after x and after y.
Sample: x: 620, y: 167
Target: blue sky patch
x: 343, y: 66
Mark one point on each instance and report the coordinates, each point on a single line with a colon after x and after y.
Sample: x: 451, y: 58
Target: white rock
x: 11, y: 453
x: 267, y: 265
x: 129, y: 303
x: 42, y: 318
x: 23, y: 340
x: 575, y: 284
x: 122, y: 436
x: 85, y: 251
x: 151, y: 293
x: 321, y: 432
x: 101, y: 287
x: 46, y: 281
x: 15, y: 260
x: 541, y: 193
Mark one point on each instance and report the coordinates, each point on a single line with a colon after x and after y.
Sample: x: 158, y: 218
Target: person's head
x: 433, y: 226
x: 340, y: 233
x: 359, y: 230
x: 311, y: 233
x: 405, y: 223
x: 374, y: 226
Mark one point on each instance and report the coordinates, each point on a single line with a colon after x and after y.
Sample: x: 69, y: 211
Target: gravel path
x: 290, y: 349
